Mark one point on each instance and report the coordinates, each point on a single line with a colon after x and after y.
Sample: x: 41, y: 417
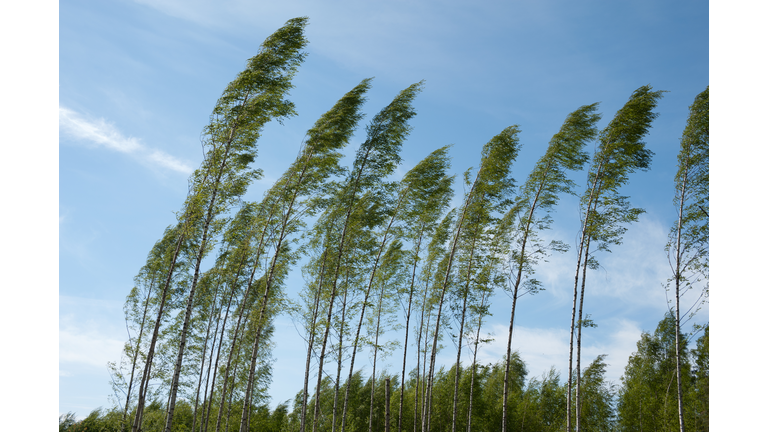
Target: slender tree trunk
x: 218, y: 355
x: 322, y: 358
x: 187, y: 318
x: 136, y: 353
x: 375, y: 354
x: 232, y: 391
x: 425, y: 330
x: 445, y: 287
x: 678, y: 260
x: 207, y: 400
x: 518, y: 280
x: 204, y: 352
x: 584, y: 234
x: 461, y: 337
x: 457, y: 375
x: 338, y: 365
x: 198, y: 260
x: 422, y: 396
x: 425, y: 377
x: 260, y: 323
x: 155, y: 333
x: 474, y: 361
x: 233, y: 286
x: 310, y: 346
x: 386, y: 404
x: 235, y: 335
x: 339, y: 256
x: 384, y: 241
x: 507, y: 361
x: 407, y: 330
x: 270, y: 278
x: 578, y: 337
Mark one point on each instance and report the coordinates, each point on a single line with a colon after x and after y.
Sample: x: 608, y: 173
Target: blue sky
x: 138, y: 79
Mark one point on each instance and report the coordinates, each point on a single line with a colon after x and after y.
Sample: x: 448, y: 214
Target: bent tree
x: 293, y: 195
x: 138, y: 308
x: 605, y: 212
x: 541, y: 192
x: 254, y: 98
x: 688, y: 245
x: 488, y: 192
x: 427, y: 188
x: 354, y: 207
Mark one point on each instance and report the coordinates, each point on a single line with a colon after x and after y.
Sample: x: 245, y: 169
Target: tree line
x: 382, y: 256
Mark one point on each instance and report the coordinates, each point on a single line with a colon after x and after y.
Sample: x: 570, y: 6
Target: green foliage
x: 541, y: 191
x: 66, y: 421
x: 648, y: 397
x: 690, y: 252
x: 97, y: 421
x: 597, y: 398
x: 700, y: 405
x: 620, y: 152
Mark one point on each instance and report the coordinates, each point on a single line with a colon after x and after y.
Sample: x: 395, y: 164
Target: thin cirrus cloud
x: 103, y: 134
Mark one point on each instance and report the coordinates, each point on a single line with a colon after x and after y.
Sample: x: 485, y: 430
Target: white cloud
x: 632, y: 275
x: 542, y: 348
x: 104, y: 134
x: 90, y: 342
x: 87, y: 346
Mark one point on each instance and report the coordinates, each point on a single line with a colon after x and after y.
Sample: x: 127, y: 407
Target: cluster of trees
x: 646, y: 398
x: 385, y: 257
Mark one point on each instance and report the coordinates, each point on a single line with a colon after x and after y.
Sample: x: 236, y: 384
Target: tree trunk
x: 474, y: 361
x: 584, y: 234
x: 382, y: 246
x: 155, y: 333
x: 215, y: 365
x: 423, y: 394
x: 445, y: 287
x: 518, y: 280
x: 678, y: 260
x: 310, y: 345
x: 407, y: 330
x: 207, y: 400
x: 136, y: 353
x: 461, y: 337
x: 204, y: 352
x: 386, y: 404
x: 578, y: 337
x: 198, y: 260
x: 375, y: 354
x: 338, y: 365
x: 236, y: 333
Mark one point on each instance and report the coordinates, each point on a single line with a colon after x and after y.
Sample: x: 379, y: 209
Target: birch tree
x: 688, y: 245
x: 605, y: 212
x: 293, y: 194
x: 541, y: 191
x: 255, y: 97
x: 357, y: 200
x: 488, y: 192
x: 427, y: 187
x: 433, y: 265
x: 139, y: 305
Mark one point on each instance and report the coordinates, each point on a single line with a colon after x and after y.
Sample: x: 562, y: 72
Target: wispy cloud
x: 87, y: 342
x: 87, y: 346
x: 363, y: 38
x: 101, y: 133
